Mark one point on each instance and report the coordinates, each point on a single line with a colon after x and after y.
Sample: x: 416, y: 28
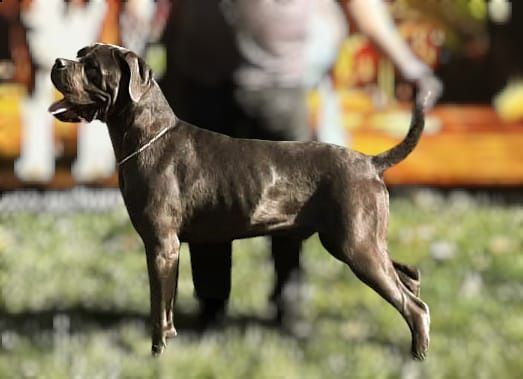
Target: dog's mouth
x: 63, y: 111
x: 75, y: 106
x: 69, y: 110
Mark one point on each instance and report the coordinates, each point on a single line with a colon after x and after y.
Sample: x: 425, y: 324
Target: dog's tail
x: 399, y: 152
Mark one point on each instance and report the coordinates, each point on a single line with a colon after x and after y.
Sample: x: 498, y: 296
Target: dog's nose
x: 60, y: 63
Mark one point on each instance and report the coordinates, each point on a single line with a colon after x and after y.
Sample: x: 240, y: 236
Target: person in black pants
x: 202, y: 60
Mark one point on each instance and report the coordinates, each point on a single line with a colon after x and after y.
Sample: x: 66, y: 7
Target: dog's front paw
x: 160, y: 342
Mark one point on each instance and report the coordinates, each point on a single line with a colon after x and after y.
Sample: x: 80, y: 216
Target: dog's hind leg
x: 356, y: 235
x: 373, y: 266
x: 162, y: 265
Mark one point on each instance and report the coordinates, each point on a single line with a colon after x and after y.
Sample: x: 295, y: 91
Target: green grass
x: 74, y: 303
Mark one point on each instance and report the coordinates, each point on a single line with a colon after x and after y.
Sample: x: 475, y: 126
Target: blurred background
x: 73, y: 282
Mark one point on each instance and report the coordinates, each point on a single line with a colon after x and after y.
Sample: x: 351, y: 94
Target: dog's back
x: 259, y: 187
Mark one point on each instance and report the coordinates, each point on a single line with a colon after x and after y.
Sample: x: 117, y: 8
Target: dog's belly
x: 228, y: 230
x: 271, y: 215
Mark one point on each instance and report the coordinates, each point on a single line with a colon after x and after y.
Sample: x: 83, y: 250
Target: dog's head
x: 93, y: 83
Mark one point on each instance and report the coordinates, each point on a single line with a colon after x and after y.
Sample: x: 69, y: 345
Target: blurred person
x: 202, y: 58
x: 271, y: 87
x: 297, y: 44
x: 56, y: 28
x: 287, y: 47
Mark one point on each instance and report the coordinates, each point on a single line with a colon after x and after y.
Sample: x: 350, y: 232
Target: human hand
x: 428, y: 90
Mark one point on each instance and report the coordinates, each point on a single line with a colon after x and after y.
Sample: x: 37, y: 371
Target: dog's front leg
x: 162, y: 265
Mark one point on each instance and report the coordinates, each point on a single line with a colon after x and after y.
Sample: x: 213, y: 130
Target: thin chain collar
x: 147, y: 145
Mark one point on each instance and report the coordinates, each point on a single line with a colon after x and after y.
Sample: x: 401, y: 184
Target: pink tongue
x: 64, y: 111
x: 59, y: 107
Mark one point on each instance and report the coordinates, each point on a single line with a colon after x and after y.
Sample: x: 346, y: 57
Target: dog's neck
x: 138, y: 123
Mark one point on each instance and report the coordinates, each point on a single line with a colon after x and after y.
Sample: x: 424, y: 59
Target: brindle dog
x: 182, y: 183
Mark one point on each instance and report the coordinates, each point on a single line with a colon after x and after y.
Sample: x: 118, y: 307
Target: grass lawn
x: 74, y: 302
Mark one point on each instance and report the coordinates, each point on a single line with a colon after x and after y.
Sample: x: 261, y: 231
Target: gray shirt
x: 273, y: 37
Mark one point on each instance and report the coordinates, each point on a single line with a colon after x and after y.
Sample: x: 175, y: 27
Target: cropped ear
x: 140, y: 76
x: 84, y: 50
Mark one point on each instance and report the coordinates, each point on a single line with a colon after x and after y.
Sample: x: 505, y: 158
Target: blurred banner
x: 474, y: 137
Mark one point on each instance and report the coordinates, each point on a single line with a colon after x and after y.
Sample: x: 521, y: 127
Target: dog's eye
x: 92, y: 74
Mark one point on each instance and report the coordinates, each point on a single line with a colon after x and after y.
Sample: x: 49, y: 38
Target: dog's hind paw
x: 420, y: 346
x: 171, y: 333
x: 419, y: 355
x: 158, y: 348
